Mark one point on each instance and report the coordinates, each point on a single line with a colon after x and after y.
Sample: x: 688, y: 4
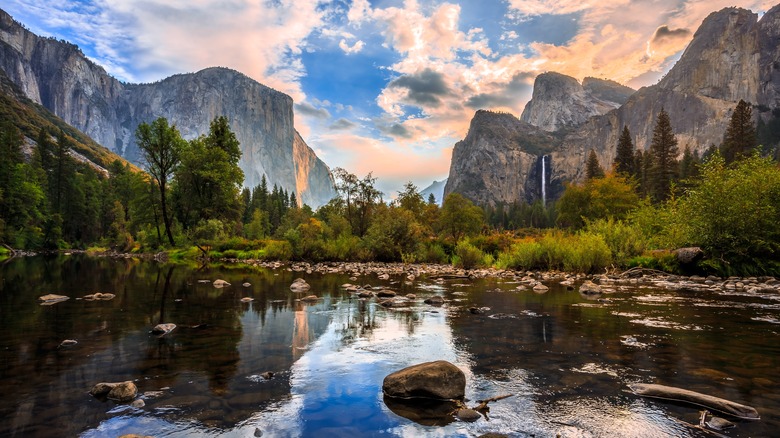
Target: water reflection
x: 564, y: 358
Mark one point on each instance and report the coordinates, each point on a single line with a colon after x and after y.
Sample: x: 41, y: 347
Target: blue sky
x: 382, y: 86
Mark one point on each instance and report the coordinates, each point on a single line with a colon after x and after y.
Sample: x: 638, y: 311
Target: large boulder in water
x: 439, y: 380
x: 121, y: 391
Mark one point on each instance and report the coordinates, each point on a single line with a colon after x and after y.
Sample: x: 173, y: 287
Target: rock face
x: 58, y: 76
x: 732, y: 56
x: 501, y: 160
x: 436, y: 189
x: 439, y: 380
x: 560, y: 101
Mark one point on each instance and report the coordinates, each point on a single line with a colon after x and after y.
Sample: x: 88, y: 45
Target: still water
x: 566, y: 360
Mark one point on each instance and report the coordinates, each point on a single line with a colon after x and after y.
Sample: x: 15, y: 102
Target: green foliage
x: 593, y: 168
x: 663, y: 150
x: 277, y: 250
x: 524, y: 255
x: 740, y: 138
x: 624, y: 239
x: 394, y: 232
x: 431, y: 252
x: 555, y: 250
x: 732, y: 214
x: 601, y: 198
x: 467, y: 256
x: 459, y: 218
x: 624, y: 154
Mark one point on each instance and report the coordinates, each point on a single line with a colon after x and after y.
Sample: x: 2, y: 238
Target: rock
x: 258, y: 432
x: 99, y: 296
x: 267, y: 375
x: 221, y: 283
x: 439, y: 380
x: 299, y: 285
x: 138, y: 403
x: 204, y: 281
x: 365, y: 294
x: 385, y: 293
x: 540, y: 288
x: 121, y: 391
x: 163, y: 329
x: 435, y: 300
x: 469, y: 415
x: 411, y: 296
x: 590, y: 288
x: 718, y: 423
x: 48, y: 300
x: 68, y: 343
x: 689, y: 255
x: 310, y: 299
x: 247, y: 284
x: 247, y: 300
x: 383, y: 276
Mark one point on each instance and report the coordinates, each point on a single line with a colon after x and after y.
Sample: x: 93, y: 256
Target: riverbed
x: 565, y: 358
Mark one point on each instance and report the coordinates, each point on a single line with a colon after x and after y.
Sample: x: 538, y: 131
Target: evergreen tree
x: 663, y: 150
x: 431, y: 199
x: 593, y: 168
x: 639, y: 168
x: 740, y: 137
x: 624, y: 155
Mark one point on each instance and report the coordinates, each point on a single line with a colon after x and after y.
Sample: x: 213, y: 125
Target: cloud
x: 556, y: 7
x: 395, y: 130
x: 425, y: 87
x: 504, y: 95
x: 342, y: 124
x: 355, y: 48
x: 307, y: 109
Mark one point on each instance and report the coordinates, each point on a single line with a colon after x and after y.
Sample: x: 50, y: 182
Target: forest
x: 190, y: 203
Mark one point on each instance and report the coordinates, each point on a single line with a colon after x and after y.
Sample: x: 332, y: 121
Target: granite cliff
x: 733, y: 56
x: 58, y: 76
x: 560, y: 101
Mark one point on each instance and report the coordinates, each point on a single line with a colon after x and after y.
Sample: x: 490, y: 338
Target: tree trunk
x: 166, y: 218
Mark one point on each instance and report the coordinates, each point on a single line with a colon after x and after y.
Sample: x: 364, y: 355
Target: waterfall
x: 544, y: 181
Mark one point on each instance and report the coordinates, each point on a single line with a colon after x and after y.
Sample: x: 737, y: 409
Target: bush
x: 431, y: 252
x: 586, y: 252
x: 467, y: 256
x: 280, y: 250
x: 524, y: 255
x: 624, y: 239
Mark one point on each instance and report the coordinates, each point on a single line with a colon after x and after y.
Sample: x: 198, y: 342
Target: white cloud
x: 355, y: 48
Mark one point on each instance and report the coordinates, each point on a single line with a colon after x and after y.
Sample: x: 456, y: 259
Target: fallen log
x: 685, y: 396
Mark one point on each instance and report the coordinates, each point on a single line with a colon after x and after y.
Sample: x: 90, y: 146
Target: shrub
x: 431, y: 252
x: 526, y: 254
x: 624, y: 239
x: 277, y: 250
x: 586, y: 252
x: 467, y: 256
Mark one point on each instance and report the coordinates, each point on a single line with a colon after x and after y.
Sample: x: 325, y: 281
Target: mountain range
x: 58, y: 76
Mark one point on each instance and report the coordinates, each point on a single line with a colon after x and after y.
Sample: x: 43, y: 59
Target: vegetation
x: 192, y: 204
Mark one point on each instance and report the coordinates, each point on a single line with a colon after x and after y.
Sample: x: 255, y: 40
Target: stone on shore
x: 438, y: 380
x: 163, y: 329
x: 590, y: 288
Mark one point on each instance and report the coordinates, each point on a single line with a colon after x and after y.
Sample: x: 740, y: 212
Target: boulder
x: 540, y: 288
x: 163, y: 329
x: 385, y: 293
x: 689, y: 255
x: 384, y: 276
x: 590, y: 288
x: 438, y: 380
x: 221, y: 283
x: 120, y: 391
x: 468, y: 415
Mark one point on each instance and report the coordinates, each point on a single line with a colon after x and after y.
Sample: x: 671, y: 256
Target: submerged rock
x: 163, y: 329
x: 540, y: 288
x: 590, y: 288
x: 299, y: 285
x: 435, y: 300
x: 99, y: 296
x: 439, y: 380
x: 48, y: 300
x: 247, y: 284
x: 68, y: 343
x: 120, y: 391
x: 309, y: 299
x: 469, y: 415
x: 247, y: 300
x: 385, y: 293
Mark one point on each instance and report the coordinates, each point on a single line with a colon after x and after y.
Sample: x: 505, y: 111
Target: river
x: 566, y: 359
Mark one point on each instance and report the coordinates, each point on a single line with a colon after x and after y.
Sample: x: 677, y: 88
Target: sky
x: 382, y: 86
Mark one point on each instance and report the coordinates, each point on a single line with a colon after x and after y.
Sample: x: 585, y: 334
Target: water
x: 544, y: 182
x: 565, y: 359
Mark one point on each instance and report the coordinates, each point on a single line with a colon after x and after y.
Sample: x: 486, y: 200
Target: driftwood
x: 716, y: 404
x: 638, y: 271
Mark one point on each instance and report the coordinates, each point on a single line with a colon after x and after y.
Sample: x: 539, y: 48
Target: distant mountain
x: 30, y: 117
x: 436, y: 189
x: 58, y: 76
x: 560, y: 101
x: 733, y: 56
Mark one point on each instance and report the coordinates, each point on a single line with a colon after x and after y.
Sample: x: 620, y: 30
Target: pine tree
x: 624, y: 155
x: 431, y: 198
x: 663, y: 150
x: 639, y: 167
x: 740, y: 137
x: 593, y: 168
